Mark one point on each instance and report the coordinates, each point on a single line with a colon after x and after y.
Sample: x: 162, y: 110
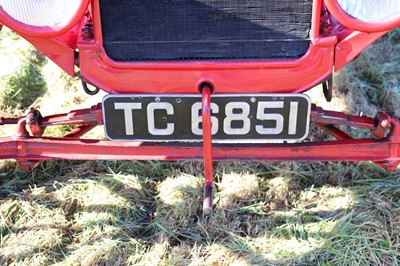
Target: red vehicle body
x: 334, y: 39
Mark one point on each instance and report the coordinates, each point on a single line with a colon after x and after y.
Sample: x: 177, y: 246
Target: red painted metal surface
x: 88, y: 116
x: 207, y: 137
x: 56, y: 50
x: 79, y: 132
x: 228, y: 77
x: 334, y: 132
x: 385, y: 150
x: 94, y: 116
x: 207, y: 147
x: 335, y: 37
x: 329, y: 51
x: 321, y: 116
x: 35, y: 149
x: 352, y: 45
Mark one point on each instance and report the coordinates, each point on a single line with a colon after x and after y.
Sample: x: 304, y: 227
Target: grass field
x: 149, y: 213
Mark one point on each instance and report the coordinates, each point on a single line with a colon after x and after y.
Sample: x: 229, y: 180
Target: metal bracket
x: 327, y: 86
x: 382, y: 123
x: 34, y: 121
x: 87, y: 90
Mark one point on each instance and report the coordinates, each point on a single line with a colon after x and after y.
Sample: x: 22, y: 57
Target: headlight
x: 371, y: 10
x: 366, y: 15
x: 41, y: 12
x: 41, y: 17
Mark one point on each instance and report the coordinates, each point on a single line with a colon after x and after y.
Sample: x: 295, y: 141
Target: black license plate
x: 235, y: 118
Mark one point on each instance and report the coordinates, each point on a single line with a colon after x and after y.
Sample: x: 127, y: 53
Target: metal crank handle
x: 208, y: 199
x: 207, y: 148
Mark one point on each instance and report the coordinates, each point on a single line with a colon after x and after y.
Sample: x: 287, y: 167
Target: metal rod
x: 8, y: 121
x: 92, y: 116
x: 207, y: 147
x: 334, y: 132
x: 79, y: 132
x: 321, y: 116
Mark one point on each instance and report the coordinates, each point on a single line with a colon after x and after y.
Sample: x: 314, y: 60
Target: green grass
x: 22, y: 82
x: 149, y: 213
x: 110, y: 213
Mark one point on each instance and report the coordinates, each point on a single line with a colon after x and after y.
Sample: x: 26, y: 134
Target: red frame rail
x: 382, y: 148
x: 32, y: 148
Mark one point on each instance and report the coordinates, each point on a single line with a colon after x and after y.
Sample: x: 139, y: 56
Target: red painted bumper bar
x: 85, y: 149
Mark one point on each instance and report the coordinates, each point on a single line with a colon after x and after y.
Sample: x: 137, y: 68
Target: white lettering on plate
x: 151, y: 124
x: 128, y: 116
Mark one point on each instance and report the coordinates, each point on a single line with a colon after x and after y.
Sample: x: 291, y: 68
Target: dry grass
x: 149, y: 213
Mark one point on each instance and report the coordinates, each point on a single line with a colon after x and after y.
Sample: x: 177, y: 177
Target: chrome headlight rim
x: 43, y: 31
x: 353, y: 23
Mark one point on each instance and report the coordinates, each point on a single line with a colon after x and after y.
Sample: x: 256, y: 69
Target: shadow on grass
x: 149, y: 213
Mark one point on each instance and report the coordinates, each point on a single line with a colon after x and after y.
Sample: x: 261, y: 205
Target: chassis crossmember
x: 29, y: 148
x: 28, y: 145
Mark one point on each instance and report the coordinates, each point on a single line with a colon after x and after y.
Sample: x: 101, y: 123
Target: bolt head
x: 385, y: 123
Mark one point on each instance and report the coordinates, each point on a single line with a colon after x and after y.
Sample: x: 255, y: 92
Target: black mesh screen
x: 188, y: 30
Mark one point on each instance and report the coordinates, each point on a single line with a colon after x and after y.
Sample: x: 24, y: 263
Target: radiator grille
x: 188, y: 30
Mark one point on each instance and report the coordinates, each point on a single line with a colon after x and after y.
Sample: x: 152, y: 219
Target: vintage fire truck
x: 193, y: 79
